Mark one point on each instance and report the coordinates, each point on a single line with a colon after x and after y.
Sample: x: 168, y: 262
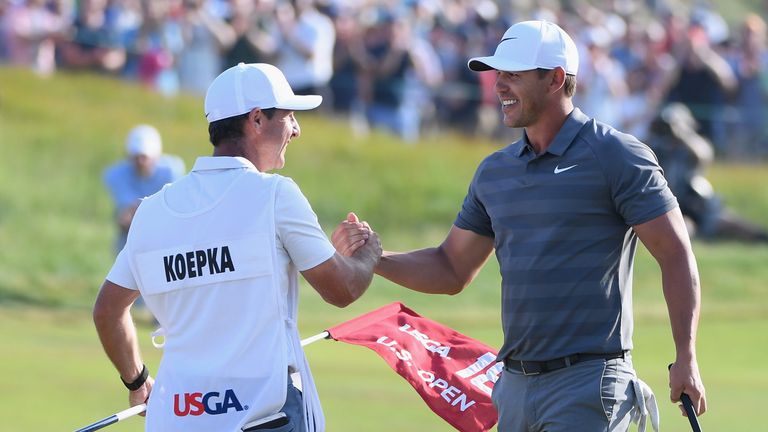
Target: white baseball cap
x: 143, y: 140
x: 244, y: 87
x: 531, y: 45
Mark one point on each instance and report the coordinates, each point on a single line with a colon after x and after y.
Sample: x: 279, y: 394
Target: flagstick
x: 114, y: 418
x: 315, y: 338
x: 138, y: 409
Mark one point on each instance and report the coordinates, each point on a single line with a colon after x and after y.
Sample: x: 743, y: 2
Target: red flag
x: 453, y: 373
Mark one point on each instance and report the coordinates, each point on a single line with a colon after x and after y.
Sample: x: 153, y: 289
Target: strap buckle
x: 527, y: 373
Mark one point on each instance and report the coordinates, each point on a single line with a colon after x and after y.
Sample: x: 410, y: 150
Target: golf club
x: 688, y: 406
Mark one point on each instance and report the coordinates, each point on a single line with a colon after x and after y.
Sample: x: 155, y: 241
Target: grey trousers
x: 591, y: 396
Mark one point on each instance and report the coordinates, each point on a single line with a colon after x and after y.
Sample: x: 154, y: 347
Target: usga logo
x: 196, y: 403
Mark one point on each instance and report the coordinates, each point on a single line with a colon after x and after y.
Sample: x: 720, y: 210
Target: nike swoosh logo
x: 509, y: 38
x: 558, y: 170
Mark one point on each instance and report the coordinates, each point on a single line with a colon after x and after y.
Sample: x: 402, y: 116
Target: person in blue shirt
x: 144, y: 171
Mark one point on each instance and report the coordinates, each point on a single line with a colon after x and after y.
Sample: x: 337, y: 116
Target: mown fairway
x: 56, y: 136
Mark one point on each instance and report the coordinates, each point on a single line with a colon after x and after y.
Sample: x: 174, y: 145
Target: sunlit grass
x: 56, y: 136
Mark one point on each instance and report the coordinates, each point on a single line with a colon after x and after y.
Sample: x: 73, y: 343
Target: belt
x: 540, y: 367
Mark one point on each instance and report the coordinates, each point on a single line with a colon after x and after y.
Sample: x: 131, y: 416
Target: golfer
x: 563, y: 208
x: 216, y: 256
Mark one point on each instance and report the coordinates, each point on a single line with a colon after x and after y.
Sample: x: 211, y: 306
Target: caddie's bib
x: 209, y: 278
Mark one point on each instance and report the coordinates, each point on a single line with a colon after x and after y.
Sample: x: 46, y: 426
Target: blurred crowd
x: 401, y: 64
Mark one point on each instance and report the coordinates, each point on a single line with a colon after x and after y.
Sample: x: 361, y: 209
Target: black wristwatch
x: 138, y: 382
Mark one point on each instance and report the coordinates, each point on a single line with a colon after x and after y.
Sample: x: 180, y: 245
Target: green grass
x: 56, y: 136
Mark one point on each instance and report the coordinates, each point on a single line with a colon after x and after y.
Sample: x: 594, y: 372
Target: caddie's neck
x: 236, y: 148
x: 262, y: 160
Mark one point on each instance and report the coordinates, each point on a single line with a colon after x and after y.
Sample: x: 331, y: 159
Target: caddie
x: 216, y: 256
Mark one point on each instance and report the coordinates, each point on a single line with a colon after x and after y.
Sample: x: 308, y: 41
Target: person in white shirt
x: 307, y: 39
x: 216, y: 256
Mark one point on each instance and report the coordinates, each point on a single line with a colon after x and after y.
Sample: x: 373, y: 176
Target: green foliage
x: 56, y: 231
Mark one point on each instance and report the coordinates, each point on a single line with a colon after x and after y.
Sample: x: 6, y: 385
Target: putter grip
x: 688, y: 406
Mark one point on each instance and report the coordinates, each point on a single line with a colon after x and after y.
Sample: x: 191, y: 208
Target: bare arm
x: 446, y: 269
x: 287, y: 22
x: 722, y: 72
x: 112, y: 317
x: 222, y: 32
x: 341, y: 280
x: 667, y: 240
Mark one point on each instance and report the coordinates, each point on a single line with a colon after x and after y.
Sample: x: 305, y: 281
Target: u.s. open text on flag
x: 453, y: 373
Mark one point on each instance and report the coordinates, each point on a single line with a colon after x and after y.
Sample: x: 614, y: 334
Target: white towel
x: 645, y: 406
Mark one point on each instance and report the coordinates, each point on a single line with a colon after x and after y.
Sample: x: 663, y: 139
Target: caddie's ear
x: 255, y: 117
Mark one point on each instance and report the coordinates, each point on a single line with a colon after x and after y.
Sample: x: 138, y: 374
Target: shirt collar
x: 568, y: 132
x: 207, y: 163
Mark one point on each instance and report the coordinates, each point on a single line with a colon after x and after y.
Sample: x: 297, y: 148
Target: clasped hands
x: 352, y: 234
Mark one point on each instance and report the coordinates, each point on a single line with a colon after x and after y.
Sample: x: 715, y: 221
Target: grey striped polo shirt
x: 561, y: 223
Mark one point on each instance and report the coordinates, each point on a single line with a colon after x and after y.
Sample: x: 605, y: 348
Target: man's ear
x: 558, y: 79
x: 255, y: 117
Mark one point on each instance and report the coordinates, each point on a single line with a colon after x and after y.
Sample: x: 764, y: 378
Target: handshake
x: 353, y: 237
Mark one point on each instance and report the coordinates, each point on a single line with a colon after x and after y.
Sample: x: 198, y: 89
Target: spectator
x: 125, y: 17
x: 155, y: 48
x: 206, y: 37
x: 5, y: 7
x: 603, y: 82
x: 93, y: 43
x: 750, y: 62
x: 684, y: 155
x: 307, y: 39
x: 348, y: 60
x: 256, y: 33
x: 422, y: 78
x: 648, y: 80
x: 399, y: 67
x: 31, y: 31
x: 459, y: 98
x: 142, y: 173
x: 704, y: 81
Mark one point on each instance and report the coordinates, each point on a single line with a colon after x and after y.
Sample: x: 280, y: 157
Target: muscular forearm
x: 343, y: 279
x: 446, y: 269
x: 359, y: 274
x: 118, y: 337
x: 425, y: 270
x: 682, y: 293
x: 120, y: 344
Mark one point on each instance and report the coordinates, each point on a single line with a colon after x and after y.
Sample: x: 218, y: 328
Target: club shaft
x: 688, y: 406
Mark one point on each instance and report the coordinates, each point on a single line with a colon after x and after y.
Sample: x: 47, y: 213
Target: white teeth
x: 508, y: 102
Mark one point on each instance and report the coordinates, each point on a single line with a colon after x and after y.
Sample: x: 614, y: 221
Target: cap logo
x: 508, y: 38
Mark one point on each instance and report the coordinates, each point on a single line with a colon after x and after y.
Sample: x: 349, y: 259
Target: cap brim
x: 480, y: 64
x: 301, y: 102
